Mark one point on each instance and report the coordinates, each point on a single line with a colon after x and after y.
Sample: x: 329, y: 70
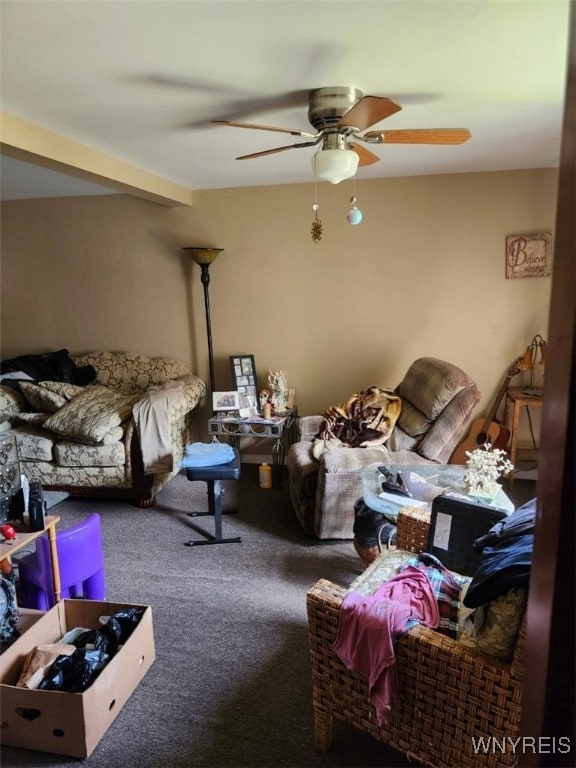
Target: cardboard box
x: 71, y: 723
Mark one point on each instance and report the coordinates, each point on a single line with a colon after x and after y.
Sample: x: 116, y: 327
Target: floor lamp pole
x: 204, y: 257
x: 205, y: 278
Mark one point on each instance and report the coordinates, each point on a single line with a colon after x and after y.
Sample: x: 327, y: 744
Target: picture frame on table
x: 243, y: 369
x: 225, y: 401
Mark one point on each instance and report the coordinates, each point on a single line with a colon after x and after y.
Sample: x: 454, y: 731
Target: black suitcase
x: 455, y: 525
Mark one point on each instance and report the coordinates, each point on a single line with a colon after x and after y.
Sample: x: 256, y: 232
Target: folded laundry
x: 207, y: 455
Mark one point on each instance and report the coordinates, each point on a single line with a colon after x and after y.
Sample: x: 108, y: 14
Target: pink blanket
x: 369, y: 625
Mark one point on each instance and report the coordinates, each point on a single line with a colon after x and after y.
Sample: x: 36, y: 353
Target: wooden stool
x: 213, y: 477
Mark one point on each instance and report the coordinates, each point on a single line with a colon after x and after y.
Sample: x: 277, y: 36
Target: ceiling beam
x: 38, y: 146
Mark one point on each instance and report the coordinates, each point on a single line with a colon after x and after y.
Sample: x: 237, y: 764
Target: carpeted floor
x: 230, y: 687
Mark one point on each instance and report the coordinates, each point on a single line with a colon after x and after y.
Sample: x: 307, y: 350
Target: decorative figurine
x: 264, y: 397
x: 278, y: 381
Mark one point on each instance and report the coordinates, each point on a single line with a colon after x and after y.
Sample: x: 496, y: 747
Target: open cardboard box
x: 71, y: 723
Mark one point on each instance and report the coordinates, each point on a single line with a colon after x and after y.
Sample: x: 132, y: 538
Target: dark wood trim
x: 549, y: 688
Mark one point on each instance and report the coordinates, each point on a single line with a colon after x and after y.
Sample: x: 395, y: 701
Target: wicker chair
x: 451, y: 697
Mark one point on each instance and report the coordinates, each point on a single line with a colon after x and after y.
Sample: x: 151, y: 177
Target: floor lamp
x: 204, y: 257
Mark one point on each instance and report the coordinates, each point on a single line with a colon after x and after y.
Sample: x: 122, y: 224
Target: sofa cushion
x: 130, y: 374
x: 412, y: 421
x: 69, y: 454
x: 386, y: 565
x: 401, y: 441
x: 33, y: 443
x: 91, y: 415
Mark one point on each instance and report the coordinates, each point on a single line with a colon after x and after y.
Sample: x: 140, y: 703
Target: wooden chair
x: 458, y: 707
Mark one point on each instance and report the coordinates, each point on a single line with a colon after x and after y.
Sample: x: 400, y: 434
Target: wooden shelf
x: 24, y: 536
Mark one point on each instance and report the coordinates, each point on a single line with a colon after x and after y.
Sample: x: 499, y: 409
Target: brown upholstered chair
x: 438, y: 400
x: 457, y: 706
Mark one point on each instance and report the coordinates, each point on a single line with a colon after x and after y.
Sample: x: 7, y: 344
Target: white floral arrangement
x: 485, y: 466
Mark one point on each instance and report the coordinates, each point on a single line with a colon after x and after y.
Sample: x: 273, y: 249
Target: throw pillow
x: 26, y: 417
x: 42, y: 400
x: 11, y: 402
x: 493, y: 628
x: 91, y: 415
x: 62, y: 388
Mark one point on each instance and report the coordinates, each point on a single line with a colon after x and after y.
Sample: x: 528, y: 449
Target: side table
x: 275, y: 428
x: 516, y: 399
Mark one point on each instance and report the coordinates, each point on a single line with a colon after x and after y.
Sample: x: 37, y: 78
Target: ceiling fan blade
x: 366, y: 157
x: 256, y: 127
x: 368, y: 111
x: 278, y: 149
x: 420, y: 136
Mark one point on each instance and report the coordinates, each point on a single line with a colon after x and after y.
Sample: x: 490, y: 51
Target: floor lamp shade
x: 204, y: 257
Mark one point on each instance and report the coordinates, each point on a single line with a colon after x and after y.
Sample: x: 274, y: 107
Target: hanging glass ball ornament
x: 354, y: 215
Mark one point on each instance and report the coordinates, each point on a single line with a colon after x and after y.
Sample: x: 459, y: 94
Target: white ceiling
x: 141, y: 79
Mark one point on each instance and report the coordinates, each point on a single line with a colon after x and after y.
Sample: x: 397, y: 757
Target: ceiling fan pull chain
x: 316, y: 229
x: 354, y: 215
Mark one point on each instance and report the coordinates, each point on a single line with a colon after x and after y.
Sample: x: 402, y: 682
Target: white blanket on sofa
x: 152, y: 419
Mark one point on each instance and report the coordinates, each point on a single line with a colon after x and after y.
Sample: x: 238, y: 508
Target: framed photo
x: 225, y: 401
x: 244, y: 377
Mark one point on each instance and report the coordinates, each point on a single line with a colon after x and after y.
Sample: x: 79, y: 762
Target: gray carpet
x: 230, y: 687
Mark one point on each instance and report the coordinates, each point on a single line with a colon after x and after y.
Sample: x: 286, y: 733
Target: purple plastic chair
x: 81, y: 564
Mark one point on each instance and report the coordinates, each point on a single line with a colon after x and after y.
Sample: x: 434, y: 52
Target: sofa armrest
x: 193, y: 390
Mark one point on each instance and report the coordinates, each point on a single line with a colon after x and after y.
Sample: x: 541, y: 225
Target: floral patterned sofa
x: 86, y: 440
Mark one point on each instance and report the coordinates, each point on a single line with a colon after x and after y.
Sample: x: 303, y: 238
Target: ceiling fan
x: 339, y: 115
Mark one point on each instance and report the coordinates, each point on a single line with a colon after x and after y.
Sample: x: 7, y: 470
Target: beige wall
x: 424, y: 274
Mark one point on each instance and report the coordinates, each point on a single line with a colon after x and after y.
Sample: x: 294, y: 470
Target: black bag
x: 371, y: 528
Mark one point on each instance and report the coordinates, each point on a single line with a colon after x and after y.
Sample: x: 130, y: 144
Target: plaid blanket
x: 446, y: 587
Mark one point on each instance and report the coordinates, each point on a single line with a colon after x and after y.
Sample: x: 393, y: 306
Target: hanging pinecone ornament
x: 316, y: 229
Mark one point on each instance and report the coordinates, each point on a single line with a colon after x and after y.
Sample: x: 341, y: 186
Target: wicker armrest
x: 413, y: 527
x: 323, y: 601
x: 425, y: 645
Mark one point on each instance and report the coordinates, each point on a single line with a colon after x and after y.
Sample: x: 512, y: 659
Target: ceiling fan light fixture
x: 335, y: 165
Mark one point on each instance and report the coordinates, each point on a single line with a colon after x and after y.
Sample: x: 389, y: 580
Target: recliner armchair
x: 438, y: 400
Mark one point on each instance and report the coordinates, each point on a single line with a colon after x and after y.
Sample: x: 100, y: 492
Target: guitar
x: 489, y: 430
